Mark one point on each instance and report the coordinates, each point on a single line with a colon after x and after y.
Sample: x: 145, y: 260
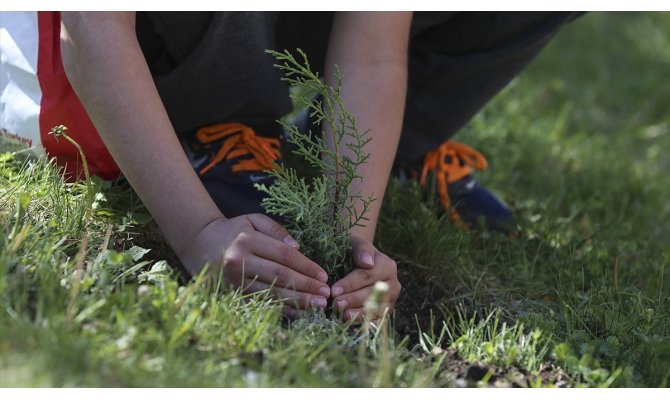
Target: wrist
x: 182, y: 241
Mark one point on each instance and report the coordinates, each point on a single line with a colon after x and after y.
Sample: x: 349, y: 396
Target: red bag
x: 58, y: 104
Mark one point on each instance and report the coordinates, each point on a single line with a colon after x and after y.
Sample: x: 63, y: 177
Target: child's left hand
x: 349, y: 293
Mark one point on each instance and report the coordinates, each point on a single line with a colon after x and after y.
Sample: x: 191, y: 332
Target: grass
x: 578, y: 146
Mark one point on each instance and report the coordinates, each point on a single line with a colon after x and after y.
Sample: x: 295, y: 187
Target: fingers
x: 287, y: 255
x: 352, y: 300
x: 357, y: 299
x: 251, y: 258
x: 363, y: 252
x: 351, y: 292
x: 258, y: 259
x: 264, y: 224
x: 385, y: 270
x: 276, y: 274
x: 356, y: 280
x: 291, y: 298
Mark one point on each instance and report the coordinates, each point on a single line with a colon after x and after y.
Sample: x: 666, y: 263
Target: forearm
x: 378, y: 109
x: 106, y: 67
x: 374, y: 67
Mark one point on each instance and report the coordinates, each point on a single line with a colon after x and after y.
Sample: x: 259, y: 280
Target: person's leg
x: 458, y: 62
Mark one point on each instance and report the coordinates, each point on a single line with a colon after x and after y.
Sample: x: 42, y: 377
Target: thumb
x: 264, y: 224
x: 363, y: 252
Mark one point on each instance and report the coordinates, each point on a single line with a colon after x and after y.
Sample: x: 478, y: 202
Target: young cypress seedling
x: 320, y: 212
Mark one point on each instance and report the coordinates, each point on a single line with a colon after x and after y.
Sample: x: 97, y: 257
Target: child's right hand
x: 257, y: 253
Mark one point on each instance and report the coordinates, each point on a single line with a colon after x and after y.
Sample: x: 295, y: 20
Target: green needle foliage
x: 320, y: 212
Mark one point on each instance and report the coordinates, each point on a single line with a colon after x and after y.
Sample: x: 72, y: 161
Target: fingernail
x: 337, y: 290
x: 324, y: 291
x: 291, y: 242
x: 367, y: 259
x: 318, y: 302
x: 322, y: 276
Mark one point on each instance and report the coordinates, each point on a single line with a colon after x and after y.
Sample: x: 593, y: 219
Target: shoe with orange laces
x: 230, y: 159
x: 468, y: 203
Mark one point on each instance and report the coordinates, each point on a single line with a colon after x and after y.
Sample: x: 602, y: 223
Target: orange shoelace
x: 461, y: 158
x: 239, y: 140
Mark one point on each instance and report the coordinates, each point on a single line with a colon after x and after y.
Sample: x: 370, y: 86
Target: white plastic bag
x: 36, y: 95
x: 20, y: 93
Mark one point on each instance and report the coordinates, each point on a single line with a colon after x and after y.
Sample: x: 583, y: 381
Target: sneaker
x: 230, y: 159
x: 468, y: 203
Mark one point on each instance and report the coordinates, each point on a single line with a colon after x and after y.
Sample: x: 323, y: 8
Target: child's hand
x: 350, y: 292
x: 256, y: 252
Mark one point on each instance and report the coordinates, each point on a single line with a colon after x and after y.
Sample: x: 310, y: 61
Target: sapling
x: 320, y: 212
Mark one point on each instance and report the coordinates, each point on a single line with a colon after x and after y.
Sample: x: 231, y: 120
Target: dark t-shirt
x: 211, y: 67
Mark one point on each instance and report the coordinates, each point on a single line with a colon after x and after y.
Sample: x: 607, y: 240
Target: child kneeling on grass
x: 187, y: 104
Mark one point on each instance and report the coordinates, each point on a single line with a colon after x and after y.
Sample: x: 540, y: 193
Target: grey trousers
x: 210, y: 67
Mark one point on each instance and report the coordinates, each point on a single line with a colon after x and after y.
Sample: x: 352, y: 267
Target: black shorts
x: 211, y: 67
